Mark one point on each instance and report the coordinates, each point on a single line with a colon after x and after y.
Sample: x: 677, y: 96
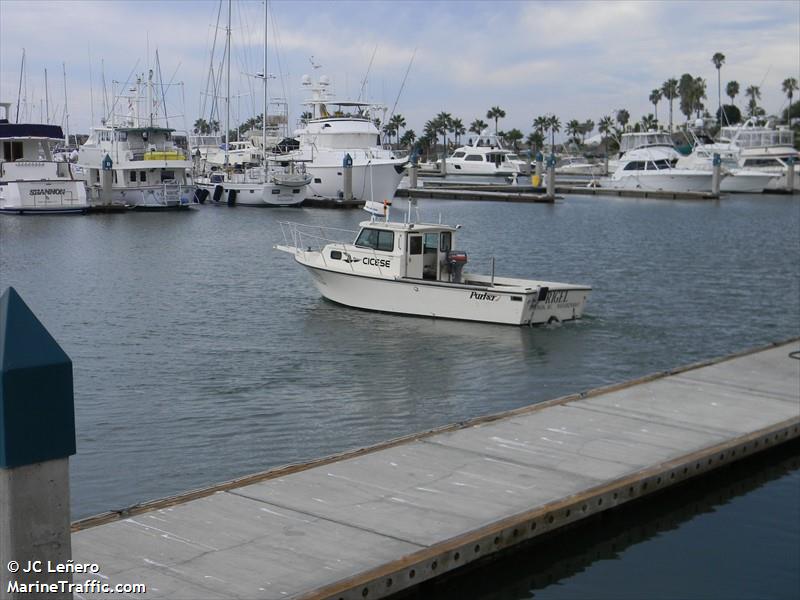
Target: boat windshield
x: 377, y: 239
x: 642, y: 140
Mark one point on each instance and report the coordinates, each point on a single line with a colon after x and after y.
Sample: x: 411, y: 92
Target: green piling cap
x: 37, y: 405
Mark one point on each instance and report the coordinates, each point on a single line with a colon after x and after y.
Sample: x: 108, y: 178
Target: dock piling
x: 347, y: 172
x: 716, y: 174
x: 37, y: 436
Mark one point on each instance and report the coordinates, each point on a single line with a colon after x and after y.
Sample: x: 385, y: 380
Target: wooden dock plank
x: 382, y: 520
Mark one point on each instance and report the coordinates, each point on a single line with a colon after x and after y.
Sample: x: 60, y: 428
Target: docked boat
x: 414, y: 268
x: 737, y: 179
x: 577, y: 165
x: 283, y: 184
x: 147, y: 170
x: 648, y: 162
x: 764, y: 149
x: 484, y: 155
x: 31, y: 180
x: 335, y: 129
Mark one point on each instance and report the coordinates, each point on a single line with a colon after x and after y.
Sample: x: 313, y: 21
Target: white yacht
x: 484, y: 155
x: 147, y: 170
x: 577, y: 165
x: 737, y: 179
x: 764, y: 149
x: 285, y: 184
x: 336, y: 129
x: 648, y: 161
x: 31, y: 180
x: 208, y: 151
x: 413, y: 268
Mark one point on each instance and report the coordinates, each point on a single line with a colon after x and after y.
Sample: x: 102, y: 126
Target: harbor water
x: 201, y: 354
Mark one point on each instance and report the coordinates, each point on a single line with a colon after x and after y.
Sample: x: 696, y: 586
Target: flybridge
x: 31, y: 130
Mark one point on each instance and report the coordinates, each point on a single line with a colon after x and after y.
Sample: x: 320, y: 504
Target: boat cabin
x: 403, y: 250
x: 26, y: 151
x: 636, y: 140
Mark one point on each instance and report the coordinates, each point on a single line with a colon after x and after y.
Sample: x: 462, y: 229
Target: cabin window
x: 474, y: 157
x: 12, y: 151
x: 445, y: 241
x: 336, y: 255
x: 276, y: 191
x: 142, y: 175
x: 662, y: 164
x: 459, y: 154
x: 431, y: 243
x: 167, y: 175
x: 133, y: 176
x: 377, y: 239
x: 415, y: 244
x: 96, y: 176
x: 295, y: 191
x: 122, y: 136
x: 317, y: 180
x: 635, y: 165
x: 115, y: 177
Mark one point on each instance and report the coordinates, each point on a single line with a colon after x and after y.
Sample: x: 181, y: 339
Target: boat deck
x: 374, y: 521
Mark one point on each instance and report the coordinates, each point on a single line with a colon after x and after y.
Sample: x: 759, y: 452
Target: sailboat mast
x: 228, y: 85
x: 46, y: 99
x: 19, y: 91
x: 66, y: 109
x: 264, y: 116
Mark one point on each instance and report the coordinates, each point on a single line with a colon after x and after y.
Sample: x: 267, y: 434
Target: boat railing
x: 314, y: 237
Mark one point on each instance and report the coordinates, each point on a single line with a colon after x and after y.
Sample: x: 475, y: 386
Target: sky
x: 577, y: 60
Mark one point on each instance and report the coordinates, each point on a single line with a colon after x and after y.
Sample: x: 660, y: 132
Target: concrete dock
x: 375, y: 521
x: 476, y: 193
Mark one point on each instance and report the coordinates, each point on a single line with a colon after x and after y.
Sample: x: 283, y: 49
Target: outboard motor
x: 456, y: 259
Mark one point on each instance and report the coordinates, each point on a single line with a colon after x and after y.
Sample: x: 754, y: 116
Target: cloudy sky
x: 575, y: 59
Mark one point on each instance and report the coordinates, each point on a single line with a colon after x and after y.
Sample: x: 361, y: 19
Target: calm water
x: 201, y: 354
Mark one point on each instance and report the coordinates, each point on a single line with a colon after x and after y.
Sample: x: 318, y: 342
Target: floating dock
x: 375, y: 521
x: 431, y: 188
x: 477, y: 193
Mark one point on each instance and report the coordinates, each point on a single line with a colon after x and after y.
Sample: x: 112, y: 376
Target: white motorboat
x: 413, y: 268
x: 148, y: 170
x: 648, y: 162
x: 336, y: 129
x: 577, y: 165
x: 764, y: 149
x: 484, y: 155
x: 283, y: 185
x: 737, y: 179
x: 31, y: 180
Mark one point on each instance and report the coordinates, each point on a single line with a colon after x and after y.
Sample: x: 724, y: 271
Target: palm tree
x: 513, y: 137
x: 457, y: 127
x: 305, y: 117
x: 655, y: 98
x: 408, y: 138
x: 732, y: 90
x: 443, y: 124
x: 718, y: 59
x: 477, y: 126
x: 586, y: 128
x: 554, y: 125
x: 698, y: 93
x: 754, y: 93
x: 623, y: 116
x: 535, y: 140
x: 495, y: 113
x: 540, y: 124
x: 789, y: 86
x: 397, y: 122
x: 201, y: 126
x: 686, y: 90
x: 649, y: 122
x: 213, y: 126
x: 389, y: 131
x: 574, y: 129
x: 670, y: 90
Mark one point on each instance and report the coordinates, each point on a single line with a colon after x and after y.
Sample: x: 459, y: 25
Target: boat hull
x: 745, y: 182
x: 256, y: 194
x: 43, y: 197
x: 376, y: 181
x: 664, y: 181
x: 558, y: 302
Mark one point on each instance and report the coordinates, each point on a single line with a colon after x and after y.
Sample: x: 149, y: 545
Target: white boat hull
x: 376, y: 181
x: 145, y: 197
x: 51, y: 197
x: 560, y: 302
x: 752, y: 182
x: 667, y: 181
x: 256, y: 194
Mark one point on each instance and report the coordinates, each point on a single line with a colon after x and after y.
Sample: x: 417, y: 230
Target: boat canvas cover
x: 31, y: 130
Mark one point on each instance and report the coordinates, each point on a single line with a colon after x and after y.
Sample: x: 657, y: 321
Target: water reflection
x: 542, y: 567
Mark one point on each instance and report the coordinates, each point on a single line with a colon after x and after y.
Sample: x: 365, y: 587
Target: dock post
x: 37, y: 436
x: 537, y: 179
x: 347, y: 171
x: 105, y: 178
x: 716, y: 163
x: 551, y: 176
x: 412, y: 176
x: 790, y: 174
